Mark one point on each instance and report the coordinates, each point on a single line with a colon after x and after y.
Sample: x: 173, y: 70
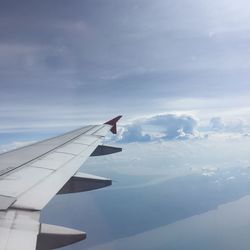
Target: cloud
x: 134, y: 133
x: 217, y: 124
x: 209, y: 170
x: 174, y: 126
x: 181, y: 127
x: 160, y: 127
x: 231, y: 178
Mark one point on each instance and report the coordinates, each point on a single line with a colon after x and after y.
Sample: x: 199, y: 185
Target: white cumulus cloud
x: 163, y: 127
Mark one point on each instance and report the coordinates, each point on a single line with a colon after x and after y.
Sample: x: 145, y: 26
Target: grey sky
x: 89, y: 60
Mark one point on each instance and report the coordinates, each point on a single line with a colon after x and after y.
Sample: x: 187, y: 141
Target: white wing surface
x: 32, y: 175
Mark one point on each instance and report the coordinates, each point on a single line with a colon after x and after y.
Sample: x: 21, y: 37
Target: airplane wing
x: 32, y: 175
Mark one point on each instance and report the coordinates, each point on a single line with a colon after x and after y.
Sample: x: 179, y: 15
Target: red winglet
x: 113, y: 124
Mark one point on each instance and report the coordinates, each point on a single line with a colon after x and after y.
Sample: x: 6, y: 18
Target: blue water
x: 120, y: 211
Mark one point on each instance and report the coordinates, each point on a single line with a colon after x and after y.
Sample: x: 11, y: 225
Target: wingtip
x: 113, y: 122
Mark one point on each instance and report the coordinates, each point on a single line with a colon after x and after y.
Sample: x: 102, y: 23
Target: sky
x: 178, y: 72
x: 64, y: 63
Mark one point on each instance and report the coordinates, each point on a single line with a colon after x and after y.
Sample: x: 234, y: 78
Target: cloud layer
x: 181, y: 127
x: 160, y: 127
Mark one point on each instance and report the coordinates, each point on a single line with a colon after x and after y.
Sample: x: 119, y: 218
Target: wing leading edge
x: 31, y: 176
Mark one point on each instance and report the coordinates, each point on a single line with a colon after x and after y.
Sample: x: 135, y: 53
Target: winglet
x: 113, y: 124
